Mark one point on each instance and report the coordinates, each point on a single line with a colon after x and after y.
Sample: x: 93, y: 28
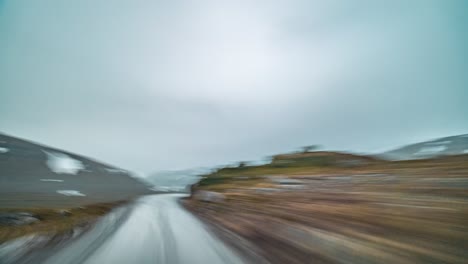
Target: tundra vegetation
x: 328, y: 207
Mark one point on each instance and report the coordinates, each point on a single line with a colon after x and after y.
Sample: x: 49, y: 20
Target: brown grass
x: 382, y: 212
x: 53, y: 222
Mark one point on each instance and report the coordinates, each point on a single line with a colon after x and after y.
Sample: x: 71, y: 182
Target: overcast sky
x: 155, y: 85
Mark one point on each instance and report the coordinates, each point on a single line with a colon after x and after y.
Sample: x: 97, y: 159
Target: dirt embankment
x: 327, y: 208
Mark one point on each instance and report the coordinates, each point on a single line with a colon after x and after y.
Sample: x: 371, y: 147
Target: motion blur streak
x: 158, y: 230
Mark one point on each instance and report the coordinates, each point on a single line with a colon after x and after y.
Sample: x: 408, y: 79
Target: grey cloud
x: 153, y: 85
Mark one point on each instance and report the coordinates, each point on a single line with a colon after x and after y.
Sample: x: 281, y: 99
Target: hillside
x: 34, y: 175
x: 454, y: 145
x: 326, y: 207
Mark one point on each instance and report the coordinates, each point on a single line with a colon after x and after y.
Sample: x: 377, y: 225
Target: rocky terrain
x: 326, y: 207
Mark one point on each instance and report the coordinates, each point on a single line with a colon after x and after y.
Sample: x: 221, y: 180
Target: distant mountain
x: 34, y: 175
x: 454, y: 145
x: 175, y: 180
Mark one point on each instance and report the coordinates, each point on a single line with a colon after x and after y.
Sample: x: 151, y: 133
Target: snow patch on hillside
x: 51, y: 180
x: 439, y: 142
x: 3, y: 150
x: 110, y: 170
x: 430, y: 150
x: 62, y: 163
x: 71, y: 193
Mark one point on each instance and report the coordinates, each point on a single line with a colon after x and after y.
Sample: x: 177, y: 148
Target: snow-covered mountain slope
x: 454, y: 145
x: 33, y: 175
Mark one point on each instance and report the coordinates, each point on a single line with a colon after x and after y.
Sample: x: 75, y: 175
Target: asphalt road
x: 157, y: 230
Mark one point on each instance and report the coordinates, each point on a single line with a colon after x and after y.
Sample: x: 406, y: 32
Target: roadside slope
x: 38, y: 176
x: 326, y: 207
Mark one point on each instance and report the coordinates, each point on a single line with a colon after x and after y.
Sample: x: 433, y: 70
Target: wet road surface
x: 157, y: 230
